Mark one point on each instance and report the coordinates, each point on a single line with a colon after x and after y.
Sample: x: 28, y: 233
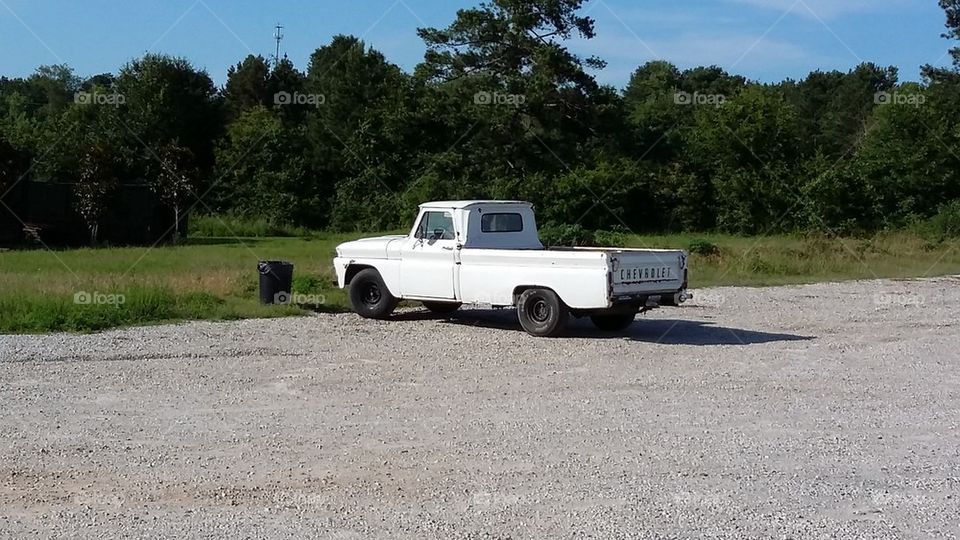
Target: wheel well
x: 353, y: 270
x: 520, y: 289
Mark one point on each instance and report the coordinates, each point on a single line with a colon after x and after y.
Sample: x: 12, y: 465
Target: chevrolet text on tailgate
x: 488, y: 252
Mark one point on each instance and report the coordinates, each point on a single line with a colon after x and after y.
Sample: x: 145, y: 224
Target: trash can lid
x: 264, y: 267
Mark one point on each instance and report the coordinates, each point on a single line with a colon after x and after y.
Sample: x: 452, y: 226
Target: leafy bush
x: 559, y: 235
x: 310, y: 284
x: 230, y: 226
x: 945, y: 224
x: 555, y: 234
x: 703, y: 247
x: 610, y: 239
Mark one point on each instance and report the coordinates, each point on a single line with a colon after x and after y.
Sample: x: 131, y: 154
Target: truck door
x: 429, y: 257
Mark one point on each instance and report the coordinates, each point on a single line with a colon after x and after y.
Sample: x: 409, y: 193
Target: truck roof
x: 457, y: 205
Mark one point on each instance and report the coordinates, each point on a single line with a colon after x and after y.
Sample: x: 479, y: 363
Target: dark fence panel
x: 135, y: 216
x: 11, y: 230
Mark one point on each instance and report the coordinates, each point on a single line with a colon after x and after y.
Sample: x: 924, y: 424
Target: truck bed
x: 586, y: 278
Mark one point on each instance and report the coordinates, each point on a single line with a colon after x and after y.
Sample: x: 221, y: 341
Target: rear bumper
x: 652, y: 299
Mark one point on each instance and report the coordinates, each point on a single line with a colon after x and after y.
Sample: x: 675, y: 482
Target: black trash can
x: 276, y: 282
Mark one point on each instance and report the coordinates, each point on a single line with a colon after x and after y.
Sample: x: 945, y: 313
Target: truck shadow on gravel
x: 663, y: 331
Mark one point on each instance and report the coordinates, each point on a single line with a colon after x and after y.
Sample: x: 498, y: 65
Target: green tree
x: 509, y: 83
x: 166, y: 99
x: 510, y: 39
x: 661, y: 102
x: 909, y: 156
x: 353, y: 81
x: 749, y: 148
x: 263, y: 174
x: 608, y: 195
x: 248, y: 85
x: 952, y: 9
x: 359, y: 138
x: 65, y: 139
x: 287, y: 80
x: 174, y: 179
x: 838, y: 197
x: 96, y: 184
x: 835, y: 107
x: 52, y: 89
x: 712, y: 81
x: 32, y: 111
x: 654, y: 114
x: 102, y: 80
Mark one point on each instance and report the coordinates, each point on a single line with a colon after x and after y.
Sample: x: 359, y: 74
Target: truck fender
x: 353, y: 269
x: 519, y: 289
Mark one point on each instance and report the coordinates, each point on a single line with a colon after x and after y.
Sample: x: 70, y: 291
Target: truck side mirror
x: 438, y: 234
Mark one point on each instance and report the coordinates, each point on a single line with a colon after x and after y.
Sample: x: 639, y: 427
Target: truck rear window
x: 494, y: 223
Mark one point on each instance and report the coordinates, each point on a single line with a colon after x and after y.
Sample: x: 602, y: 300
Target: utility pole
x: 279, y: 37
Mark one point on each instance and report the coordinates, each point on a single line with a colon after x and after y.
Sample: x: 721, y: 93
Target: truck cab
x: 429, y: 256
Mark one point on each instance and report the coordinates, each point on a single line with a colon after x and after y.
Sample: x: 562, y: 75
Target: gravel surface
x: 821, y: 411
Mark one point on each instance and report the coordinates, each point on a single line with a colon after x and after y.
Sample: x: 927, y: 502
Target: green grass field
x: 216, y: 278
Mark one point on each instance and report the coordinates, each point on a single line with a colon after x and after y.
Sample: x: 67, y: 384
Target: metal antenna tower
x: 279, y: 37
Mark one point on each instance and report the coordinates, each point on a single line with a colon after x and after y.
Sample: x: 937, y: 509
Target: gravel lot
x: 817, y: 411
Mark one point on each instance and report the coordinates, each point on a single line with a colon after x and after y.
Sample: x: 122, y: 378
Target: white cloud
x: 825, y: 9
x: 735, y: 53
x: 670, y: 15
x: 720, y: 34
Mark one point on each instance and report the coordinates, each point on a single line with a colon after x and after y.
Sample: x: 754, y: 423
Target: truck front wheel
x: 370, y: 297
x: 613, y: 322
x: 542, y: 313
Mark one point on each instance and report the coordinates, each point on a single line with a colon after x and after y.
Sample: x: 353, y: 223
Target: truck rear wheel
x: 613, y: 322
x: 542, y: 313
x: 442, y: 308
x: 370, y: 297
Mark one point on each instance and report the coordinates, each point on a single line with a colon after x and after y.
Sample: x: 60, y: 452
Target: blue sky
x: 766, y: 40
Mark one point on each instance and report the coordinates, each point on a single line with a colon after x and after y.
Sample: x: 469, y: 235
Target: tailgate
x: 635, y: 272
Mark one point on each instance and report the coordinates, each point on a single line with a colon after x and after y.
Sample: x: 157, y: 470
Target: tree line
x: 499, y: 108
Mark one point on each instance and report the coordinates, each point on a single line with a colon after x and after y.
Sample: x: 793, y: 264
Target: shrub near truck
x: 489, y: 252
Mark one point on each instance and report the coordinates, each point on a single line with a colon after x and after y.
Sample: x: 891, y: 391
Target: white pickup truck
x: 488, y: 252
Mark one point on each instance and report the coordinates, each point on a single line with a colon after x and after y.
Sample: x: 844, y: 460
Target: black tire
x: 542, y: 313
x: 370, y: 297
x: 442, y: 308
x: 613, y: 322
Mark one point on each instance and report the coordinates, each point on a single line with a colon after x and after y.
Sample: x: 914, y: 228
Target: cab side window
x: 501, y: 223
x: 436, y: 226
